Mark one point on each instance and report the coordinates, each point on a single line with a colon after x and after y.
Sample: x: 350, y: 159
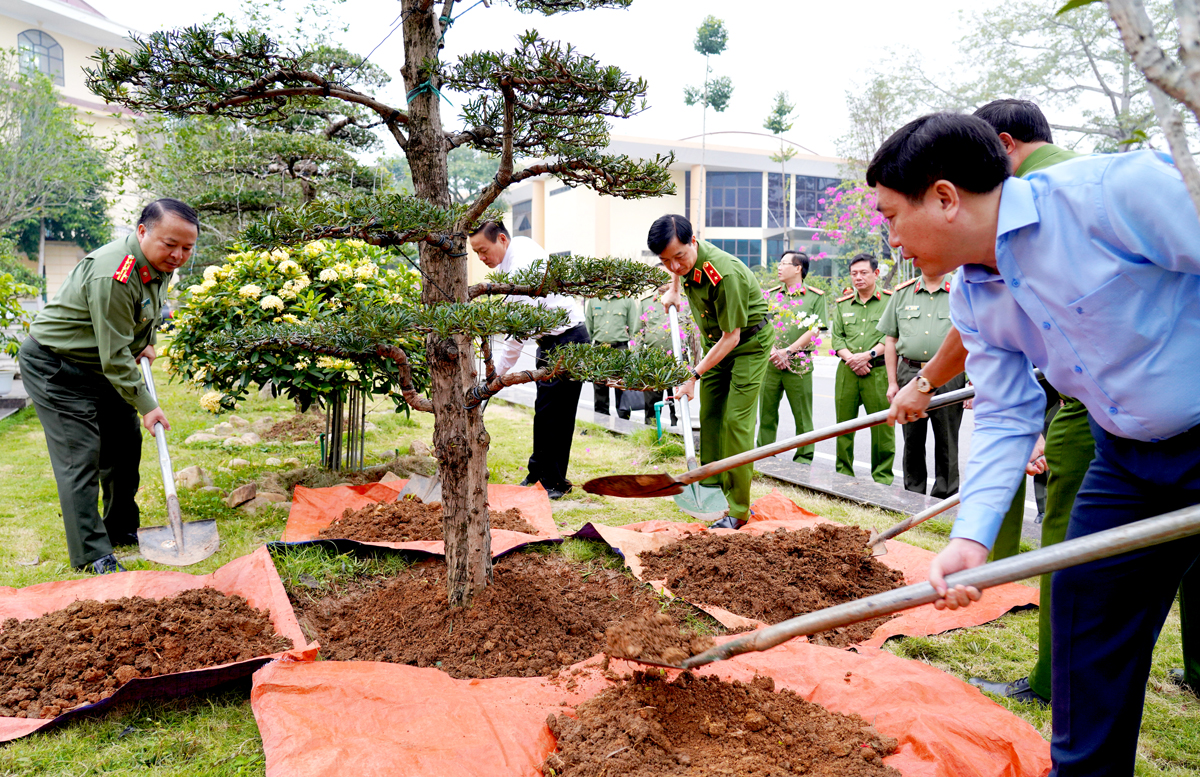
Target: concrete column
x: 537, y: 216
x: 699, y: 196
x: 603, y: 241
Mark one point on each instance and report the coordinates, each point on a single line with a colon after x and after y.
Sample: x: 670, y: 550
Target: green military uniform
x: 807, y: 301
x: 724, y: 295
x: 610, y: 322
x: 78, y: 367
x: 855, y: 327
x: 654, y: 331
x: 919, y: 318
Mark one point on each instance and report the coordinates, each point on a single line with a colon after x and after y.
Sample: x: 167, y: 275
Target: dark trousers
x: 95, y: 443
x: 1106, y: 615
x: 946, y: 422
x: 554, y: 415
x: 601, y: 389
x: 651, y: 398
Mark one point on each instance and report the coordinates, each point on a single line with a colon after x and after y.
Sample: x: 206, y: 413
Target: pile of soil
x: 647, y: 727
x: 409, y: 520
x: 317, y: 477
x: 773, y: 577
x: 84, y: 652
x: 655, y: 638
x: 301, y: 426
x: 540, y: 613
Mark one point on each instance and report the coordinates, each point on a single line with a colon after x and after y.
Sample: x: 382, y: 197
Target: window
x: 560, y: 190
x: 39, y: 53
x: 523, y: 219
x: 810, y: 191
x: 749, y: 251
x: 779, y: 190
x: 687, y: 194
x: 775, y: 249
x: 734, y: 200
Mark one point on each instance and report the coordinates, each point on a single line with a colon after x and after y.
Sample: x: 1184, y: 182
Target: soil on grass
x: 408, y: 520
x: 84, y: 652
x: 301, y: 426
x: 656, y: 638
x: 773, y: 577
x: 540, y: 613
x: 318, y: 477
x: 647, y: 727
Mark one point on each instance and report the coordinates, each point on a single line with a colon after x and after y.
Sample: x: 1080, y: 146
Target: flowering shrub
x: 790, y: 322
x: 654, y: 331
x: 12, y: 314
x: 851, y: 221
x: 309, y: 284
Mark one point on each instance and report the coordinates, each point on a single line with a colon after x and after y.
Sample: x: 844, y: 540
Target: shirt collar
x: 921, y: 285
x: 1017, y: 206
x: 134, y: 249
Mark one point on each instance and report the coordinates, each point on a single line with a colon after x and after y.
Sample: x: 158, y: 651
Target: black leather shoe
x: 118, y: 540
x: 1017, y: 690
x: 106, y: 564
x: 558, y: 492
x: 728, y: 522
x: 1179, y: 677
x: 529, y: 481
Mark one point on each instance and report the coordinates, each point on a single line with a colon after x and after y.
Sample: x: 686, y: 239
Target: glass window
x: 734, y: 200
x: 810, y: 194
x: 523, y: 219
x: 749, y: 251
x: 39, y: 53
x: 778, y: 194
x: 687, y: 194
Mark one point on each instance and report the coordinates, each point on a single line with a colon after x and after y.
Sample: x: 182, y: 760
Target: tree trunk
x: 459, y: 438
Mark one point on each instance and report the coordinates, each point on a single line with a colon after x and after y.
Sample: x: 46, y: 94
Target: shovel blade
x: 706, y: 503
x: 634, y: 486
x: 874, y: 545
x: 423, y: 488
x: 200, y: 540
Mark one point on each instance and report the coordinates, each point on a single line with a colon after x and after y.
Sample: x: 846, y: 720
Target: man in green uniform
x: 803, y: 301
x: 610, y: 322
x: 654, y: 331
x: 861, y: 377
x: 79, y: 367
x: 732, y: 316
x: 915, y: 323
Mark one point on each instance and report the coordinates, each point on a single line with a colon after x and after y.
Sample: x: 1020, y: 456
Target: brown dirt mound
x: 541, y: 613
x: 647, y: 727
x: 409, y: 520
x: 304, y: 426
x: 773, y: 577
x: 84, y: 652
x: 655, y: 638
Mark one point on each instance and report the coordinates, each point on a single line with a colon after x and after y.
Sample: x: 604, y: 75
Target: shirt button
x: 1078, y: 368
x: 1112, y: 411
x: 1078, y: 310
x: 1045, y: 325
x: 1016, y: 282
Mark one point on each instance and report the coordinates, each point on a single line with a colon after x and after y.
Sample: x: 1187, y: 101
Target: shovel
x: 179, y: 544
x: 706, y: 503
x: 877, y: 544
x: 644, y: 486
x: 423, y: 488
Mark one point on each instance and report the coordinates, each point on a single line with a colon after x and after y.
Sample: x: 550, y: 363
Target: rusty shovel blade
x: 639, y: 486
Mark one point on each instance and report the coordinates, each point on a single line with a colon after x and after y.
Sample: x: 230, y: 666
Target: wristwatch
x: 923, y: 385
x: 872, y: 353
x: 695, y: 375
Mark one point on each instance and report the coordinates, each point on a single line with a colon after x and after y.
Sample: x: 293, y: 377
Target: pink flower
x: 821, y: 201
x: 832, y: 352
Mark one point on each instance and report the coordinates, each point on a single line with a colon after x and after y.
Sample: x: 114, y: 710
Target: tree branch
x: 504, y: 175
x: 1172, y: 126
x: 414, y: 400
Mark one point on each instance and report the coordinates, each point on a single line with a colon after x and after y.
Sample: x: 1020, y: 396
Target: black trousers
x: 554, y: 415
x: 946, y: 422
x: 650, y: 399
x: 95, y: 443
x: 601, y: 389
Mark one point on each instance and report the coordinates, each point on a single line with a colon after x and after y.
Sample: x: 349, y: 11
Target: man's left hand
x: 780, y: 357
x: 686, y: 390
x: 147, y: 353
x: 960, y: 554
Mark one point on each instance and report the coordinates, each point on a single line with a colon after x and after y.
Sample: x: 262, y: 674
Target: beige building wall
x: 61, y: 258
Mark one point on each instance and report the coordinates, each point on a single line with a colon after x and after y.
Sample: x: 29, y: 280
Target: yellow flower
x: 288, y: 266
x: 196, y: 291
x: 356, y: 243
x: 250, y: 291
x: 301, y: 282
x: 211, y: 401
x: 210, y: 272
x: 271, y: 302
x: 279, y: 255
x: 328, y: 275
x: 330, y: 363
x: 365, y: 271
x: 288, y: 318
x: 360, y: 285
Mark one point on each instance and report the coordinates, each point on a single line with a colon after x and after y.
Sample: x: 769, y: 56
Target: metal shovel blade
x: 706, y: 503
x: 638, y: 486
x: 423, y: 488
x: 179, y: 544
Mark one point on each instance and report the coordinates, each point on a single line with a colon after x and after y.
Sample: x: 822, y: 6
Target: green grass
x: 216, y: 734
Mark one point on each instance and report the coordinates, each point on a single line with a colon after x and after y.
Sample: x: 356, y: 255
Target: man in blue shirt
x: 1090, y: 270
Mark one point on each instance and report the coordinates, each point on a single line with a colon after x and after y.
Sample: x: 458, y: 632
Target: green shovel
x: 706, y: 503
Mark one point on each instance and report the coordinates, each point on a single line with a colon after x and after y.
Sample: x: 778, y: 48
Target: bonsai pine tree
x: 541, y: 101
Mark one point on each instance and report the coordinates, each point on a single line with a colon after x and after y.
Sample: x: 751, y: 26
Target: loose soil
x: 409, y: 520
x: 777, y: 576
x: 302, y: 426
x: 656, y: 638
x: 648, y: 727
x: 317, y: 477
x: 540, y: 613
x: 84, y: 652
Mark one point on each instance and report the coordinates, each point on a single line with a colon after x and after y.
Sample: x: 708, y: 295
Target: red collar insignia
x: 144, y: 272
x: 946, y: 285
x: 879, y: 295
x: 712, y: 273
x: 696, y: 275
x: 123, y: 272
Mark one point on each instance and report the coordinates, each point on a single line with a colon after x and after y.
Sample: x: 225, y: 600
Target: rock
x: 238, y: 463
x: 301, y: 443
x: 210, y: 490
x: 238, y: 422
x: 202, y: 437
x: 292, y: 461
x: 420, y: 448
x: 226, y: 470
x: 271, y: 496
x: 369, y: 427
x: 254, y: 505
x: 242, y: 494
x: 233, y: 442
x: 250, y: 438
x: 267, y: 391
x: 192, y: 477
x: 389, y: 477
x: 273, y: 462
x: 223, y: 428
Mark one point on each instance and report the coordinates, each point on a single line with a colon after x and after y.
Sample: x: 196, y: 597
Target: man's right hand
x: 671, y: 299
x: 960, y: 554
x: 908, y: 405
x: 155, y: 416
x: 891, y: 392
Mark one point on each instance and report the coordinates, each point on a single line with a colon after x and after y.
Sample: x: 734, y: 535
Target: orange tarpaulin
x: 365, y: 719
x: 253, y: 577
x: 777, y: 511
x: 315, y: 508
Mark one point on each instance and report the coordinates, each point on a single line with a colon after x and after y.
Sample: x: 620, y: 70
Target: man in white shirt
x: 557, y: 399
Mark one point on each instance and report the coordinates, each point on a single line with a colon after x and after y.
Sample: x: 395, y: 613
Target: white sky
x: 813, y: 50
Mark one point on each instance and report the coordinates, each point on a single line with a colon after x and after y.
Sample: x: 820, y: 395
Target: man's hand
x: 147, y: 353
x: 155, y: 416
x: 908, y: 405
x: 1037, y: 460
x: 780, y: 357
x: 671, y: 299
x: 891, y: 392
x: 686, y: 390
x: 960, y: 554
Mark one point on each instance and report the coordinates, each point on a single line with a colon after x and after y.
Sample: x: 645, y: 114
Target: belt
x: 752, y: 331
x: 913, y: 363
x: 877, y: 362
x: 547, y: 341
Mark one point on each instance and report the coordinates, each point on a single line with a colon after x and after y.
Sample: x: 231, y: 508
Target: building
x: 736, y: 197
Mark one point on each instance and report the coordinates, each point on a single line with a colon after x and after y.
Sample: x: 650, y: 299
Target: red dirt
x: 777, y: 576
x: 541, y: 613
x: 84, y: 652
x: 656, y: 638
x: 409, y: 520
x: 299, y: 427
x: 647, y: 727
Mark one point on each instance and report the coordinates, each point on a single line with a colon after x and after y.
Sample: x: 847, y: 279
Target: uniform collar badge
x: 696, y: 275
x: 144, y: 272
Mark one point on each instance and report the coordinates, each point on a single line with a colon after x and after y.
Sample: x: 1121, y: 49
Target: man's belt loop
x: 912, y: 363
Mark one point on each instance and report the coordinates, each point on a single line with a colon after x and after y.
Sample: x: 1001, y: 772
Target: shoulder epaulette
x: 775, y: 288
x: 711, y: 272
x: 848, y: 296
x: 814, y: 288
x: 125, y: 269
x: 906, y: 283
x: 887, y: 292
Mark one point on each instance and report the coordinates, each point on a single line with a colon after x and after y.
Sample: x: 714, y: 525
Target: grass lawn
x: 216, y: 734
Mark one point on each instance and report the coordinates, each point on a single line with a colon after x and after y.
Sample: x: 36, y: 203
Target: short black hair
x: 155, y: 211
x: 865, y: 257
x: 491, y: 230
x: 1020, y: 118
x: 666, y: 227
x: 800, y: 259
x: 963, y: 150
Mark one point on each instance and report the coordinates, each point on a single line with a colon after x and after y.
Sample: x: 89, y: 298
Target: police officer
x: 611, y: 322
x: 79, y: 367
x: 804, y: 301
x: 728, y: 307
x: 915, y: 323
x: 654, y: 331
x: 861, y: 377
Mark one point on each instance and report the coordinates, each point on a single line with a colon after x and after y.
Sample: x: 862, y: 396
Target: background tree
x: 540, y: 100
x: 711, y: 40
x: 779, y: 121
x: 875, y: 111
x: 468, y: 169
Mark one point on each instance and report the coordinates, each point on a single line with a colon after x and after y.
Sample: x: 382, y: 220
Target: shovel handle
x: 685, y: 416
x: 174, y: 514
x: 914, y: 520
x: 1112, y: 542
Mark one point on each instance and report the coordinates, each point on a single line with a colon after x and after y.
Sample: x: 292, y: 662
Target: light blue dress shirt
x: 1099, y: 286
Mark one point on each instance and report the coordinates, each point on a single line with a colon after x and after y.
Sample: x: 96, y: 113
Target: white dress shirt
x: 521, y: 254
